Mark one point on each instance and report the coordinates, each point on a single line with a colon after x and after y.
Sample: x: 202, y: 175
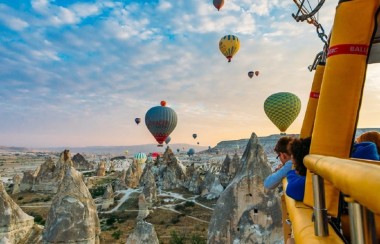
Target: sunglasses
x: 278, y: 155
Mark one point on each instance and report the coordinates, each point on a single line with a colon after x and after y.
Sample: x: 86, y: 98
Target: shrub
x: 189, y: 204
x: 116, y: 235
x: 176, y: 238
x: 111, y: 220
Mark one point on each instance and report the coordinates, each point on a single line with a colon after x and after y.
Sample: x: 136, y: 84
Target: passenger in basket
x: 281, y: 148
x: 367, y: 146
x: 298, y: 149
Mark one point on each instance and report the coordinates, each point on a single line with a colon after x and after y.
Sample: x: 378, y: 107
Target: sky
x: 77, y: 73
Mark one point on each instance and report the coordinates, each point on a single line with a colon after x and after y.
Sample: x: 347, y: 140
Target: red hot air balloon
x: 218, y: 4
x: 138, y: 120
x: 161, y: 121
x: 257, y: 73
x: 163, y: 103
x: 250, y: 74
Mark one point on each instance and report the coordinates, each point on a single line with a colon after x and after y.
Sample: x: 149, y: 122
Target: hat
x: 365, y: 150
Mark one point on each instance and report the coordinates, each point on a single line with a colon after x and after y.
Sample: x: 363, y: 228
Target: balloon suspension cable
x: 320, y: 57
x: 304, y: 14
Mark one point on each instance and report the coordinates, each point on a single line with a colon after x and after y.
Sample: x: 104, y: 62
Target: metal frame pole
x: 320, y: 211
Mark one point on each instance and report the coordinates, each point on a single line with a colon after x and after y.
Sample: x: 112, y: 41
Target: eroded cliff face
x: 72, y: 217
x: 173, y: 173
x: 245, y: 213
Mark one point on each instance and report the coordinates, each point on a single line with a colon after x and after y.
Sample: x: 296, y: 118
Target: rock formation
x: 80, y: 163
x: 133, y: 175
x: 15, y: 225
x: 143, y: 208
x: 112, y: 166
x: 27, y: 181
x: 72, y: 217
x: 229, y: 169
x: 50, y: 174
x: 101, y: 171
x: 245, y: 213
x: 193, y: 179
x: 173, y: 174
x: 211, y: 187
x: 144, y: 233
x: 108, y: 197
x: 16, y: 184
x: 148, y: 182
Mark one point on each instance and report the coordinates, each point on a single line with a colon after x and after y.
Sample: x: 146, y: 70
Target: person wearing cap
x: 281, y: 148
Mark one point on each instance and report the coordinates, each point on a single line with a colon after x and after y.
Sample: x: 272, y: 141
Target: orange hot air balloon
x: 218, y: 4
x: 257, y: 73
x: 163, y: 103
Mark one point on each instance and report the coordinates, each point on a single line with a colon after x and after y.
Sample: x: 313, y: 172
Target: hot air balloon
x: 178, y: 150
x: 126, y: 152
x: 257, y: 73
x: 190, y: 152
x: 167, y: 140
x: 163, y: 103
x: 198, y: 143
x: 218, y: 4
x: 229, y: 45
x: 161, y: 121
x: 140, y: 157
x: 138, y: 120
x: 195, y: 136
x: 282, y: 109
x: 250, y: 74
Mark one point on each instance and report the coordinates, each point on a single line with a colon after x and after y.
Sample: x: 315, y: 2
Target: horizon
x: 90, y: 67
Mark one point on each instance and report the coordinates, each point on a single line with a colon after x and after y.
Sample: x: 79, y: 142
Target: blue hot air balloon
x: 191, y: 152
x: 161, y: 121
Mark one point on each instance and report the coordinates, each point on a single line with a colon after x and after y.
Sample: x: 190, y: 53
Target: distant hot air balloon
x: 126, y: 152
x: 178, y: 150
x: 138, y: 120
x: 282, y: 109
x: 163, y: 103
x: 229, y: 45
x: 218, y: 4
x: 190, y: 152
x: 257, y: 73
x: 195, y: 136
x: 140, y: 157
x: 161, y: 121
x: 167, y: 140
x: 250, y: 74
x: 198, y: 143
x: 209, y: 147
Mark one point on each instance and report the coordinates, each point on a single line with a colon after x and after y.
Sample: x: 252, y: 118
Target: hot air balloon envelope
x: 167, y: 140
x: 161, y: 121
x: 218, y: 4
x: 163, y: 103
x: 138, y: 120
x: 140, y: 157
x: 191, y: 152
x: 282, y: 109
x: 250, y: 74
x: 229, y: 45
x: 195, y: 136
x: 257, y: 73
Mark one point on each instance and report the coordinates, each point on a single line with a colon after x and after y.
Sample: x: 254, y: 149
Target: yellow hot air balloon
x: 282, y: 109
x: 229, y: 45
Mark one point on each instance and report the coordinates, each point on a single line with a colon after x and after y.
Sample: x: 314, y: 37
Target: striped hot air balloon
x: 140, y: 158
x: 161, y: 121
x: 229, y: 45
x: 282, y: 109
